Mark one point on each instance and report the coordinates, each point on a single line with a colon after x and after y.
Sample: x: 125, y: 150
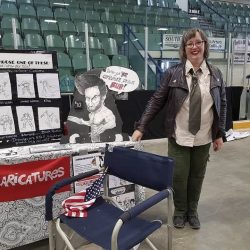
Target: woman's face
x: 195, y: 49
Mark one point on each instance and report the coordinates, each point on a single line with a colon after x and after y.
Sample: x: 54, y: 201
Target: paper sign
x: 120, y: 79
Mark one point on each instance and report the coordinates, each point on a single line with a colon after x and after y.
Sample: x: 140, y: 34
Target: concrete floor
x: 224, y: 205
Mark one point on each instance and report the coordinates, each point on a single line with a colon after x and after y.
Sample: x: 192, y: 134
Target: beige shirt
x: 204, y: 135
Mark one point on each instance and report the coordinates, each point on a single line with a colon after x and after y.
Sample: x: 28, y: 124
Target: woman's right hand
x: 137, y: 135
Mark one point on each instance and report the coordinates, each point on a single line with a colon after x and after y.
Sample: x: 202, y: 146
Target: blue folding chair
x: 107, y: 225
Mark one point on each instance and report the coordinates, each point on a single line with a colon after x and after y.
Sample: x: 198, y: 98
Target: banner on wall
x: 32, y: 179
x: 30, y: 98
x: 173, y: 42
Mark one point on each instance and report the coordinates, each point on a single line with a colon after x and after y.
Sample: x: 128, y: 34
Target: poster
x: 94, y: 116
x: 83, y: 164
x: 123, y: 192
x: 30, y: 99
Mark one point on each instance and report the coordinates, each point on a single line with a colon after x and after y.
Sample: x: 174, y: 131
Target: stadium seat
x: 8, y: 41
x: 92, y: 16
x: 76, y: 15
x: 116, y: 32
x: 41, y: 3
x: 6, y: 24
x: 107, y: 17
x: 121, y: 17
x: 66, y: 28
x: 30, y: 25
x: 106, y: 224
x: 34, y: 41
x: 61, y: 14
x: 100, y: 61
x: 8, y: 9
x: 21, y: 2
x: 80, y: 28
x: 54, y: 42
x: 67, y: 83
x: 64, y: 64
x: 109, y: 46
x: 72, y: 4
x: 49, y: 27
x: 120, y: 60
x: 44, y: 12
x: 100, y: 30
x: 26, y: 10
x: 79, y: 62
x: 74, y: 45
x: 95, y: 46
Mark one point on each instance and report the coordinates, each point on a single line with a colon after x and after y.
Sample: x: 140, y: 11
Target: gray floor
x: 224, y: 208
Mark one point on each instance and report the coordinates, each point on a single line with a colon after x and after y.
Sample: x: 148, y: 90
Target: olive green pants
x: 189, y: 171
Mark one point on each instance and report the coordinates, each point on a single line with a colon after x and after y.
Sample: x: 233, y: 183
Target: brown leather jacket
x: 172, y: 93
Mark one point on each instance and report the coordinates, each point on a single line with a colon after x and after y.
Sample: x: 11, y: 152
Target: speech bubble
x: 120, y: 79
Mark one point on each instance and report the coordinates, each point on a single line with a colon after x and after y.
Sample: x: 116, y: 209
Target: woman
x: 193, y: 93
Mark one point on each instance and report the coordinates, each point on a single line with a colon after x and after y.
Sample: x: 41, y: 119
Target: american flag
x: 76, y: 205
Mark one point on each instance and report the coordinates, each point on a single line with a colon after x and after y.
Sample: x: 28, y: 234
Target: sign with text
x: 171, y: 41
x: 216, y: 43
x: 30, y: 99
x: 26, y: 61
x: 120, y: 79
x: 239, y: 45
x: 32, y: 179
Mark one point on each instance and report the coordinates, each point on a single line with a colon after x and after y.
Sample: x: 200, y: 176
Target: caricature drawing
x: 50, y: 118
x: 6, y: 123
x: 100, y: 117
x: 26, y: 88
x: 26, y: 120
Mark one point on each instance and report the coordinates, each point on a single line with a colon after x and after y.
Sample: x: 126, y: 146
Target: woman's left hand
x: 217, y: 144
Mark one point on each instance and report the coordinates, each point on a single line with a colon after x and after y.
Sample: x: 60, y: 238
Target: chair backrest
x: 80, y: 27
x: 8, y: 9
x: 92, y: 16
x: 8, y: 41
x: 44, y: 12
x: 26, y: 10
x: 79, y: 62
x: 49, y: 28
x: 6, y: 24
x: 74, y: 45
x: 120, y: 60
x: 41, y: 2
x: 107, y: 17
x: 143, y: 168
x: 61, y: 14
x: 66, y: 28
x: 76, y: 14
x: 109, y: 46
x: 30, y: 25
x: 100, y: 61
x: 54, y: 42
x: 33, y: 41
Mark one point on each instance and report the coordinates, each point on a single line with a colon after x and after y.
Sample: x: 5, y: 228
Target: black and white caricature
x: 94, y: 116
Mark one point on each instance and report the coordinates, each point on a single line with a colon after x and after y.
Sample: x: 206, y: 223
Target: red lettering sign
x: 31, y: 179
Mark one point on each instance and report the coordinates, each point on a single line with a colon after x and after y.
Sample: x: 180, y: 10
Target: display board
x: 94, y: 117
x: 30, y: 99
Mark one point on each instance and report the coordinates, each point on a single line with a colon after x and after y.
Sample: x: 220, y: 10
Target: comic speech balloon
x: 120, y: 79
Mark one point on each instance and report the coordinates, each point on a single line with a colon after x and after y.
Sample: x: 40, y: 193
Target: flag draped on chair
x: 76, y: 205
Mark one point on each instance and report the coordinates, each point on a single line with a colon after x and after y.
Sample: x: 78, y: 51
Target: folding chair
x: 107, y: 225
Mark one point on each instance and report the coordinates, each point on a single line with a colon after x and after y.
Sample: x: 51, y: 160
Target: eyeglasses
x: 197, y: 44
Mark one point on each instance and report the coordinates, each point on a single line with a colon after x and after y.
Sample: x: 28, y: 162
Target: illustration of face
x: 93, y: 98
x: 195, y: 49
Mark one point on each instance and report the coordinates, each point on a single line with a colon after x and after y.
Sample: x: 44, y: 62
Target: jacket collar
x: 178, y: 78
